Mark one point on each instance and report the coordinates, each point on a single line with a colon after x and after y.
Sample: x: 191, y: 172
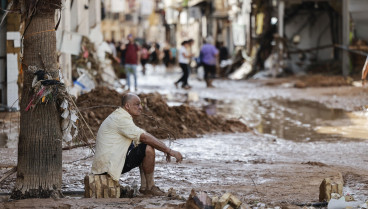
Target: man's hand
x: 157, y: 144
x: 175, y: 154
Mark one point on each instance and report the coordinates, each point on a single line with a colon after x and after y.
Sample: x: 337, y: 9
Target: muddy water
x: 300, y: 121
x: 242, y: 164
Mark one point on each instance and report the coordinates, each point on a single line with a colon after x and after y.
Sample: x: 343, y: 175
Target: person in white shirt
x: 184, y: 58
x: 122, y: 146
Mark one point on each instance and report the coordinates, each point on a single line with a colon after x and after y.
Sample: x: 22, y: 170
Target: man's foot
x: 142, y: 190
x: 187, y: 87
x: 155, y: 191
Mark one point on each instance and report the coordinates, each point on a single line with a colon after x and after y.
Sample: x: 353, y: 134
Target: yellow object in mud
x: 43, y: 99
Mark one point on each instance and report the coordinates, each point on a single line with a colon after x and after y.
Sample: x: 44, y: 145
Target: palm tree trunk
x: 39, y: 171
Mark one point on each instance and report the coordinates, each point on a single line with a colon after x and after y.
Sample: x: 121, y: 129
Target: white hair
x: 209, y: 40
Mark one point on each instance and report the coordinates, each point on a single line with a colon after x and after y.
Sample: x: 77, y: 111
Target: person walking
x: 184, y: 58
x: 131, y: 61
x: 144, y: 57
x: 167, y: 56
x: 209, y: 55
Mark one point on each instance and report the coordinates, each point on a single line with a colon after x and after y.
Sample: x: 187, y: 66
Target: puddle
x: 298, y: 121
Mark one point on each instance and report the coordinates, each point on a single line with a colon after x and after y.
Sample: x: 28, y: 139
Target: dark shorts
x: 134, y: 157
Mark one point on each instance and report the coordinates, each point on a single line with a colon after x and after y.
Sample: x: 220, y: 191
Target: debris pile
x: 95, y: 106
x: 202, y: 200
x: 182, y: 121
x: 158, y: 119
x: 331, y: 190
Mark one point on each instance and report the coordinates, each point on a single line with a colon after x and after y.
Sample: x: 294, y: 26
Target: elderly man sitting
x: 122, y: 146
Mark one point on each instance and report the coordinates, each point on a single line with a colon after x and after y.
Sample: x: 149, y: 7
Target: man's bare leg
x: 148, y: 166
x: 143, y: 180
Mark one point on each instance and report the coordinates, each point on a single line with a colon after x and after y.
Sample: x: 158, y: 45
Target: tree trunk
x: 39, y: 172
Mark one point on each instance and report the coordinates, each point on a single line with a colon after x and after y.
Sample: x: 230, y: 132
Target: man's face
x: 130, y: 38
x: 134, y: 106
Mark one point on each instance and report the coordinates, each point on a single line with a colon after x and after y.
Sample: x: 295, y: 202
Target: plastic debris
x: 342, y: 204
x: 68, y: 124
x: 65, y: 114
x: 64, y: 105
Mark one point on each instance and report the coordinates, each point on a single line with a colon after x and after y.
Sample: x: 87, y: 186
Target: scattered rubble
x: 95, y: 106
x: 158, y: 119
x: 203, y: 201
x: 331, y: 190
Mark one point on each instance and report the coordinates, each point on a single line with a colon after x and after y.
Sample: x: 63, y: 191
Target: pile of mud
x: 312, y: 80
x: 321, y: 81
x: 158, y: 118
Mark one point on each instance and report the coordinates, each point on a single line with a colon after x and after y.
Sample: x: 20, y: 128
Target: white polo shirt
x: 114, y: 137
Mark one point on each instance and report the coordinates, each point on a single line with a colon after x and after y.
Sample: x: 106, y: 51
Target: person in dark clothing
x: 167, y: 56
x: 155, y: 54
x: 144, y: 57
x: 224, y: 53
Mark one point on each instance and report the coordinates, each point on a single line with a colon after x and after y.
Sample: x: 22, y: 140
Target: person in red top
x: 131, y: 61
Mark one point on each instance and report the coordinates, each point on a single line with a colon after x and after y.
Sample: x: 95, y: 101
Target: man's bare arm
x: 157, y: 144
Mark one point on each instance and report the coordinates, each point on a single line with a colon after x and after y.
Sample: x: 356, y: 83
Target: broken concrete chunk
x: 335, y: 196
x: 235, y: 201
x: 223, y: 201
x: 215, y: 199
x: 202, y: 201
x: 349, y: 198
x: 329, y: 186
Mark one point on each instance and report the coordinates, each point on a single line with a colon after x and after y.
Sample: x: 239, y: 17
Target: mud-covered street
x: 298, y: 137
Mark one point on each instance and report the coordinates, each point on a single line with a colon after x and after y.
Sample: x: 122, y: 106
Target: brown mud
x: 158, y: 118
x: 315, y: 80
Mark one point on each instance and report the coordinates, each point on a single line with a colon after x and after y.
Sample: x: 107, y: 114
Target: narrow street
x: 296, y: 141
x: 261, y: 104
